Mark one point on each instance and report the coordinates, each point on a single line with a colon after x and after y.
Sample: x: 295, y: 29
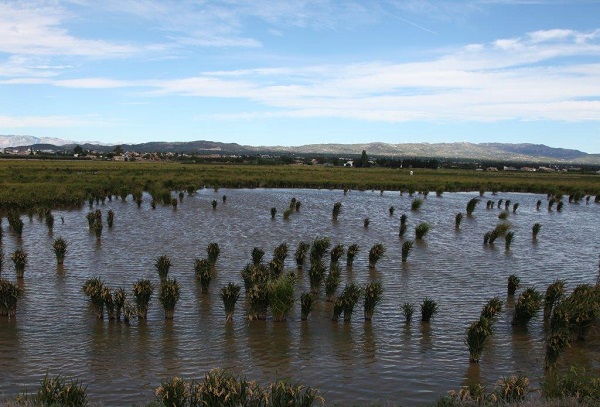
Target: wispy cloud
x: 48, y: 121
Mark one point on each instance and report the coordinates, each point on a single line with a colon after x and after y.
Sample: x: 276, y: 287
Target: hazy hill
x: 535, y: 153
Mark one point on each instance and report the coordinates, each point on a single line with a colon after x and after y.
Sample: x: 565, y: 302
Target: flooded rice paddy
x: 356, y: 362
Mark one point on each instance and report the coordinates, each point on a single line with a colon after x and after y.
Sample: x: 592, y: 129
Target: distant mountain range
x: 535, y: 153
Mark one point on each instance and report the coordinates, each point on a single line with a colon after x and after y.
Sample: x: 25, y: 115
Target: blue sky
x: 269, y: 72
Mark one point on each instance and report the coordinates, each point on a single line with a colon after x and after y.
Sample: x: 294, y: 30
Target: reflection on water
x: 385, y: 359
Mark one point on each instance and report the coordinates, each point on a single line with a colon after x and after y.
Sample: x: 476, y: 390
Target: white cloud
x: 27, y: 30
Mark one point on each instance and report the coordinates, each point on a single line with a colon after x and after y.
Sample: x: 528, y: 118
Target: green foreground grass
x: 30, y: 183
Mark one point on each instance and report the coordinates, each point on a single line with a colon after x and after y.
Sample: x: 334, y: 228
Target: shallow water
x: 358, y: 362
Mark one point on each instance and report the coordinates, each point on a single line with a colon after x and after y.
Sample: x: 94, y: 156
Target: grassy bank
x: 29, y: 183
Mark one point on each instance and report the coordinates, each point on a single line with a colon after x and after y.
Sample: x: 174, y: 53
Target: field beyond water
x: 30, y: 183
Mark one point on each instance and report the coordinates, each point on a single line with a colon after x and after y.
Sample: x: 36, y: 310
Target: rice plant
x: 372, y: 297
x: 287, y: 213
x: 376, y: 252
x: 554, y: 294
x: 56, y: 391
x: 203, y: 270
x: 515, y: 207
x: 551, y: 203
x: 583, y: 309
x: 298, y: 205
x: 110, y: 218
x: 457, y: 220
x: 337, y: 252
x: 471, y: 205
x: 213, y: 250
x: 477, y: 334
x: 338, y: 308
x: 49, y: 221
x: 391, y: 210
x: 491, y: 308
x: 258, y: 298
x: 306, y: 304
x: 120, y: 298
x: 332, y: 281
x: 276, y: 267
x: 527, y: 306
x: 421, y: 230
x: 15, y: 223
x: 337, y: 207
x: 366, y: 222
x: 556, y: 342
x: 142, y: 293
x: 273, y: 212
x: 513, y: 284
x: 489, y: 204
x: 93, y: 289
x: 174, y: 393
x: 60, y: 250
x: 508, y: 238
x: 428, y: 309
x: 162, y: 265
x: 507, y: 204
x: 535, y: 230
x: 98, y: 229
x: 538, y: 205
x: 512, y: 389
x: 280, y: 252
x: 500, y: 201
x: 316, y: 275
x: 281, y: 297
x: 319, y: 248
x: 109, y: 302
x: 349, y: 297
x: 559, y: 206
x: 282, y: 393
x: 214, y: 204
x: 408, y: 310
x: 9, y: 295
x: 230, y: 294
x: 503, y: 215
x: 416, y: 204
x: 257, y: 255
x: 19, y: 258
x: 406, y: 248
x: 300, y: 253
x: 255, y: 274
x: 169, y: 296
x: 351, y: 254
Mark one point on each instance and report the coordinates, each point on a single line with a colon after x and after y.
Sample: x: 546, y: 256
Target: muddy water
x: 358, y: 362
